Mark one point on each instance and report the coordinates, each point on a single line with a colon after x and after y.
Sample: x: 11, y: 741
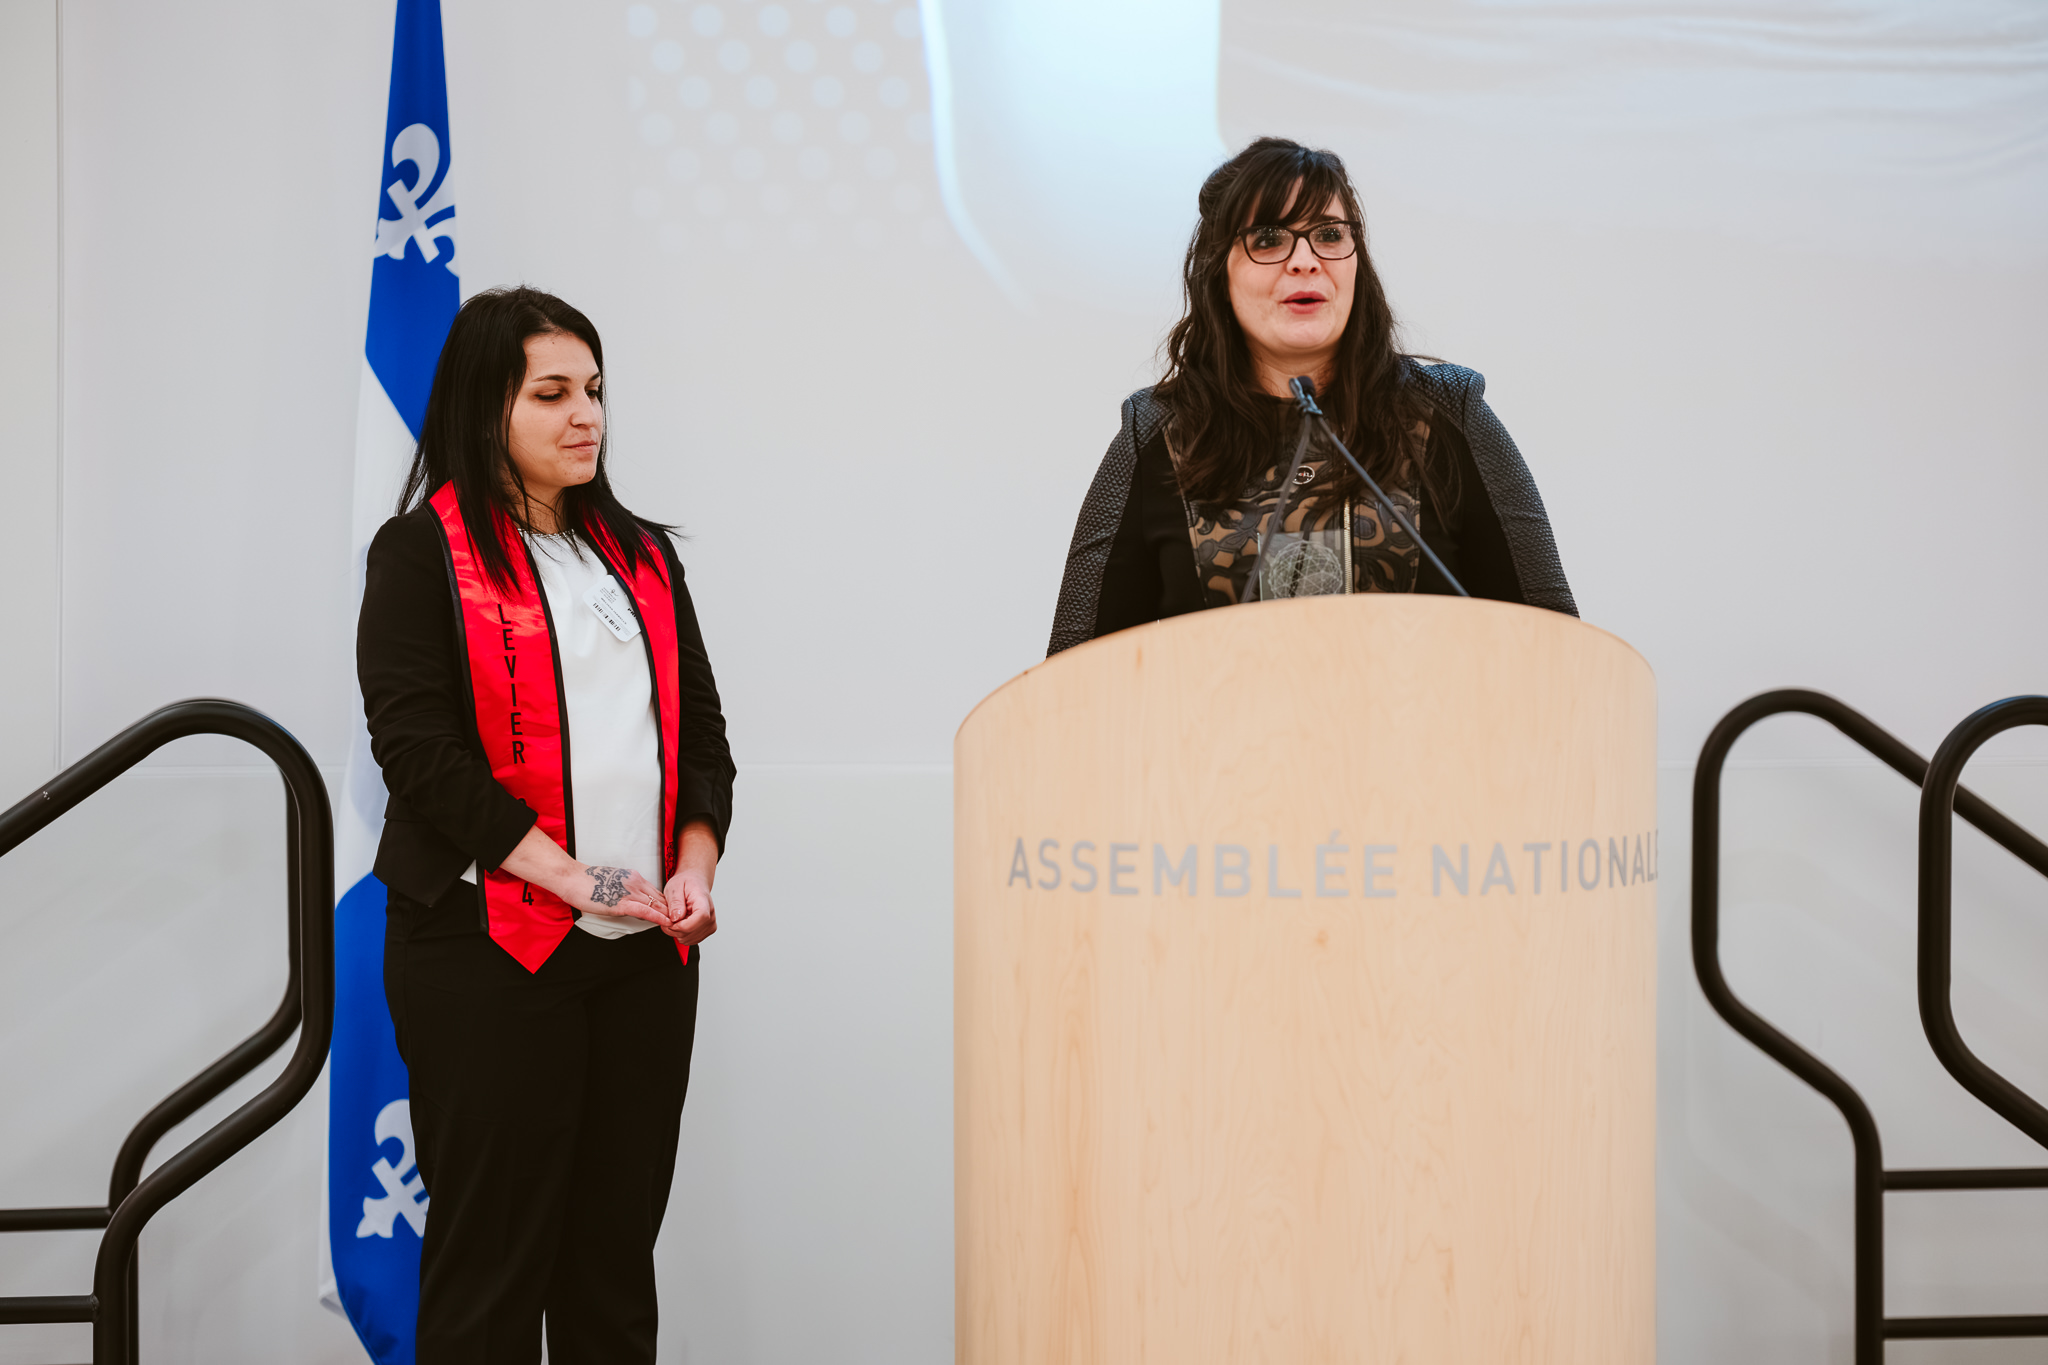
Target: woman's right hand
x: 618, y: 891
x: 602, y: 890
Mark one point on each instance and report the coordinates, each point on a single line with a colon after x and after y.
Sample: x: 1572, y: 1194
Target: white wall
x: 29, y: 255
x: 1757, y: 291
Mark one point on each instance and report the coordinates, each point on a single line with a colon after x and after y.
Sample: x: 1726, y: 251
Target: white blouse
x: 614, y: 745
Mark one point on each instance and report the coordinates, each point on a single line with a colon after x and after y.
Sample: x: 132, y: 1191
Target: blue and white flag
x: 376, y: 1204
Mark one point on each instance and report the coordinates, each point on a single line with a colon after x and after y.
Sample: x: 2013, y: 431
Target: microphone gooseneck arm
x: 1275, y: 520
x: 1304, y: 390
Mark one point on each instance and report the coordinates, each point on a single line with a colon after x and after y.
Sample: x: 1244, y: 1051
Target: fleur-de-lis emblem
x: 414, y: 223
x: 405, y: 1193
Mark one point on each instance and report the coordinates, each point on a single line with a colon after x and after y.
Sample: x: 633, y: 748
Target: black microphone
x: 1304, y: 390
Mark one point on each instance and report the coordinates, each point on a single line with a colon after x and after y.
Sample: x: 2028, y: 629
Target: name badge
x: 612, y: 608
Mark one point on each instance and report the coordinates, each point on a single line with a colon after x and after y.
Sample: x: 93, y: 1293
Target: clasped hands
x: 682, y: 909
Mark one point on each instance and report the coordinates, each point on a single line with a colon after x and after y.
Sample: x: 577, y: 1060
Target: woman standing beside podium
x: 549, y: 730
x: 1278, y: 284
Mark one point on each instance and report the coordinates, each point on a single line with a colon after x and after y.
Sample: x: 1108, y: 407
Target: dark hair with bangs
x: 1226, y: 427
x: 465, y: 437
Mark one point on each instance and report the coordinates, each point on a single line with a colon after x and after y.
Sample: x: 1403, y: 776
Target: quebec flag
x: 376, y: 1204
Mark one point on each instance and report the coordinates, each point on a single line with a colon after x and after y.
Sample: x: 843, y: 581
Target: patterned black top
x: 1321, y: 546
x: 1172, y: 556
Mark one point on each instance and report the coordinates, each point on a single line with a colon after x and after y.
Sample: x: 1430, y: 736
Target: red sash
x: 516, y: 685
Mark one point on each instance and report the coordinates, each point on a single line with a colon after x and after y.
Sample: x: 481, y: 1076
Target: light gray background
x: 1757, y: 288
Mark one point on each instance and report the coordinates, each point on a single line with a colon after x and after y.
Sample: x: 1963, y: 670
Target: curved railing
x: 1938, y: 794
x: 308, y: 1006
x: 1941, y: 794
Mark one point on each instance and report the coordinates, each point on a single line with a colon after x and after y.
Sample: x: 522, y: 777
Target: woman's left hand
x: 693, y: 918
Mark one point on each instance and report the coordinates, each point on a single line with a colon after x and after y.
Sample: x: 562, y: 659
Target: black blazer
x: 445, y: 808
x: 1508, y: 547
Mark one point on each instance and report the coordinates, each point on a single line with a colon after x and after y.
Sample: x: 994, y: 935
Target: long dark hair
x: 464, y: 438
x: 1226, y: 428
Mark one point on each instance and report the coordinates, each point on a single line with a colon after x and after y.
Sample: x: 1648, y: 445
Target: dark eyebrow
x: 557, y: 379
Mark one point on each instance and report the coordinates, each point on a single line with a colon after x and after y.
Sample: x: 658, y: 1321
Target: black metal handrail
x: 308, y: 1006
x: 1937, y: 856
x: 1872, y: 1328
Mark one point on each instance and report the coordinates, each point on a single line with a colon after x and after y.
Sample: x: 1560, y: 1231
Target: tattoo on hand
x: 611, y: 884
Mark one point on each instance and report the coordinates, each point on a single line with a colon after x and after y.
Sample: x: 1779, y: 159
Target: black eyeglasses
x: 1270, y: 244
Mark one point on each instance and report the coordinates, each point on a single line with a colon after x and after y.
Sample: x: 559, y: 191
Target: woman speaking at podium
x: 547, y: 724
x: 1278, y: 285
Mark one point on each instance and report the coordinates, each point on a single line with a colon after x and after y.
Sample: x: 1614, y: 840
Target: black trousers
x: 545, y: 1108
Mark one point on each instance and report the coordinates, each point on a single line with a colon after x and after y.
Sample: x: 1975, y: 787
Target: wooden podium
x: 1304, y: 994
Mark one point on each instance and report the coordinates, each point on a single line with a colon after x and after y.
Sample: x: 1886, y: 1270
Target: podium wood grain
x: 1417, y: 1126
